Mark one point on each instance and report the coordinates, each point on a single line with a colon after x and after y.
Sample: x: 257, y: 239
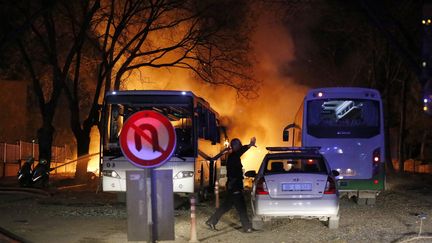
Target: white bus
x: 197, y: 130
x: 347, y: 124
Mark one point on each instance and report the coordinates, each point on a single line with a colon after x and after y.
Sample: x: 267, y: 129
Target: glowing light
x: 376, y: 182
x: 423, y: 21
x: 424, y: 64
x: 183, y: 92
x: 376, y: 158
x: 425, y: 108
x: 425, y: 100
x: 428, y: 21
x: 114, y: 93
x: 320, y: 94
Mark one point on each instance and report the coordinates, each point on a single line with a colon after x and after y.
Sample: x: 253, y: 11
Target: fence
x: 13, y: 155
x: 414, y: 166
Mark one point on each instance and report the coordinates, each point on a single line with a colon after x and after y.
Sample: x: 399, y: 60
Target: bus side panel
x: 376, y: 183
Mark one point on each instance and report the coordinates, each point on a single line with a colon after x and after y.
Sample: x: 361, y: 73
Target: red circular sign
x: 147, y: 139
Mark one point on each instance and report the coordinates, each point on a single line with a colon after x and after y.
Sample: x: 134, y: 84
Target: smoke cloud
x: 263, y: 117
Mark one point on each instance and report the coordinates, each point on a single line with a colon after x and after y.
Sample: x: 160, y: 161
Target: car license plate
x: 297, y: 187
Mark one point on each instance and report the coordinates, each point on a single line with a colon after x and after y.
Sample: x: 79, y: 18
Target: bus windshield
x: 178, y: 111
x: 343, y: 118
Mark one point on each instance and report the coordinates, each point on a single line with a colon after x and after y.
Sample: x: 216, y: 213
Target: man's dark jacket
x: 235, y: 170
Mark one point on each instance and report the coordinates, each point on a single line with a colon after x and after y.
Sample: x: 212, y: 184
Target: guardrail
x: 12, y: 156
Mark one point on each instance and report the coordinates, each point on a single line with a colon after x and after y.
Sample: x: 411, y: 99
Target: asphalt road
x: 77, y: 214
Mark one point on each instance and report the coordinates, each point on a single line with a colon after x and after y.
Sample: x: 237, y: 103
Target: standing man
x: 234, y: 187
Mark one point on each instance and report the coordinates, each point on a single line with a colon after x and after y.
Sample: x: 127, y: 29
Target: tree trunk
x: 401, y: 139
x: 45, y: 139
x: 423, y: 145
x: 387, y: 142
x: 83, y: 146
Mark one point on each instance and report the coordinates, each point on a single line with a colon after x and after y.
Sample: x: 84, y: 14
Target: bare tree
x: 49, y: 51
x: 362, y: 43
x: 205, y: 37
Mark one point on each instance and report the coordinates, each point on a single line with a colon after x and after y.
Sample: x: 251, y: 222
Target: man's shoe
x: 211, y: 225
x: 248, y: 230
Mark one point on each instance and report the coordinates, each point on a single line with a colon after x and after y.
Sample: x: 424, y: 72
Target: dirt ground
x: 81, y: 215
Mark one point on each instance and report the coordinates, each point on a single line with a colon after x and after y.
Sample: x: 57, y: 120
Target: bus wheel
x: 204, y: 194
x: 371, y: 201
x: 121, y: 197
x: 361, y: 201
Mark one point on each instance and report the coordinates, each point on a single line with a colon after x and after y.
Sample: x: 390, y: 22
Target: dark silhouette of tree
x: 83, y: 49
x: 48, y: 52
x: 363, y: 43
x: 209, y: 38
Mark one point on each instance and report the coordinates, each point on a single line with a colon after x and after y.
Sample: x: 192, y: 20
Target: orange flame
x: 263, y: 117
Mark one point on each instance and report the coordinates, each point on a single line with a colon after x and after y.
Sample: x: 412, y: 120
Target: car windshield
x: 295, y: 165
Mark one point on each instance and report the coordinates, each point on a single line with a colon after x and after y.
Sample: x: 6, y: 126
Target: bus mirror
x: 250, y: 173
x: 285, y: 135
x: 335, y: 173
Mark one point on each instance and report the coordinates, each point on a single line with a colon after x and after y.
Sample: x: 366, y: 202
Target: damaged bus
x: 196, y: 159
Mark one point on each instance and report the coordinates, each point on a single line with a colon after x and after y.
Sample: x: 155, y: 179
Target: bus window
x: 213, y: 128
x: 116, y: 123
x: 203, y: 122
x: 180, y: 116
x: 343, y: 118
x: 183, y: 129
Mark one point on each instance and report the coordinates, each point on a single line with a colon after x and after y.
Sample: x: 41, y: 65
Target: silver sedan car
x: 294, y: 182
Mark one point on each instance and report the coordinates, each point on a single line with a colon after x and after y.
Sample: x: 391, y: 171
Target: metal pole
x: 217, y: 194
x: 4, y: 161
x: 193, y: 232
x: 33, y: 148
x: 20, y: 154
x: 150, y: 215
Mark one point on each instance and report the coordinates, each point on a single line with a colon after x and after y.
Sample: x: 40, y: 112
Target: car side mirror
x: 250, y: 173
x: 335, y: 173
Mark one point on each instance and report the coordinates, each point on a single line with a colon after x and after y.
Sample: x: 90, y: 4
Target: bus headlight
x: 184, y: 174
x: 111, y: 173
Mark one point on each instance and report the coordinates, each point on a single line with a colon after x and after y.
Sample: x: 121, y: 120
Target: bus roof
x: 158, y: 92
x: 150, y: 92
x: 343, y: 92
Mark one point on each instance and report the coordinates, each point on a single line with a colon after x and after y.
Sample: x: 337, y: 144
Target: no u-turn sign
x: 147, y: 139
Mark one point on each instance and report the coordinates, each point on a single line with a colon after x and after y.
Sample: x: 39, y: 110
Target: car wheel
x: 333, y: 222
x: 257, y: 223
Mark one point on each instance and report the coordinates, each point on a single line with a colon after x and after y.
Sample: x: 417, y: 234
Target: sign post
x: 148, y: 140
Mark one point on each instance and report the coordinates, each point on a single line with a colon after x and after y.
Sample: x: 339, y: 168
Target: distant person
x: 25, y: 173
x: 234, y: 187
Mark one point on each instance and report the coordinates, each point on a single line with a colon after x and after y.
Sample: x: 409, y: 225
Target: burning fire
x: 263, y: 117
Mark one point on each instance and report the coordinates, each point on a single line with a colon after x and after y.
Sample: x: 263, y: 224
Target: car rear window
x: 295, y: 165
